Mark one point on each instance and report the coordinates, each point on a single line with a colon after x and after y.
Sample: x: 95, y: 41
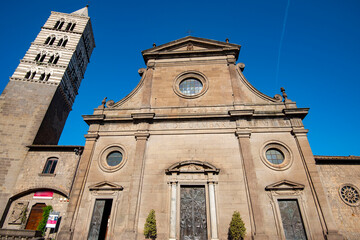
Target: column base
x: 334, y: 236
x: 260, y: 237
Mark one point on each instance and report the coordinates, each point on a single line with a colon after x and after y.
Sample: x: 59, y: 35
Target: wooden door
x: 35, y: 216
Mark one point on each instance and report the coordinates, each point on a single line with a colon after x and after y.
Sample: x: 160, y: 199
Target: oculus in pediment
x: 105, y: 186
x: 284, y: 185
x: 192, y: 166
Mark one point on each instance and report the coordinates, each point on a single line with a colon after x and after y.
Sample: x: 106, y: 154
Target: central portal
x: 193, y: 213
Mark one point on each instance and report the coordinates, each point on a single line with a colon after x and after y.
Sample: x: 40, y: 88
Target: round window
x: 274, y: 156
x: 114, y: 158
x: 190, y: 86
x: 350, y: 195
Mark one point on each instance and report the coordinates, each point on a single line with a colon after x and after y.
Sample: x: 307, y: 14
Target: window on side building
x: 50, y: 165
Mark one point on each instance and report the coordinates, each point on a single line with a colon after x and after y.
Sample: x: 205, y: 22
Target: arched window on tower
x: 68, y: 27
x: 61, y: 25
x: 72, y: 27
x: 42, y: 76
x: 28, y: 74
x: 52, y: 41
x: 51, y: 59
x: 42, y: 58
x: 37, y: 57
x: 57, y: 24
x: 56, y: 60
x: 60, y: 42
x: 33, y: 75
x: 65, y: 42
x: 47, y: 40
x: 47, y: 77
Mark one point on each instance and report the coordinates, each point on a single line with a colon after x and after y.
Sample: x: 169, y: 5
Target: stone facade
x: 195, y: 141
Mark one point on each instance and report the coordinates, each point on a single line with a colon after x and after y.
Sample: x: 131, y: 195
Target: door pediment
x: 284, y: 185
x: 105, y: 186
x: 192, y: 166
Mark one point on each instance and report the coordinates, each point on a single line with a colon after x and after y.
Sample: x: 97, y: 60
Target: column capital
x: 212, y: 182
x: 243, y: 133
x: 91, y: 136
x: 299, y: 132
x: 173, y: 182
x: 142, y: 135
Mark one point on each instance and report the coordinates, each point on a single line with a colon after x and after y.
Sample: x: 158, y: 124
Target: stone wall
x: 333, y: 177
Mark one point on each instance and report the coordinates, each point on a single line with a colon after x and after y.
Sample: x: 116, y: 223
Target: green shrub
x: 237, y: 228
x: 45, y: 216
x: 150, y: 225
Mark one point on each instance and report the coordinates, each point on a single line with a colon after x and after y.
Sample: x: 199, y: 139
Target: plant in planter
x: 237, y: 228
x: 45, y: 216
x: 150, y: 225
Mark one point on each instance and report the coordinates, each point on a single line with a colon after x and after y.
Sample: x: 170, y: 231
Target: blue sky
x: 318, y: 62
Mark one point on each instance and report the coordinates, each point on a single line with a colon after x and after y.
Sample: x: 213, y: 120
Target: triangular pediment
x: 105, y: 186
x: 284, y: 185
x: 192, y: 166
x: 191, y: 46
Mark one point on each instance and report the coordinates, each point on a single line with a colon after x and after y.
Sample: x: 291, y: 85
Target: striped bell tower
x: 36, y: 102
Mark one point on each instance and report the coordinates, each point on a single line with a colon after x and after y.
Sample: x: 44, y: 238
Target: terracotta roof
x: 337, y: 159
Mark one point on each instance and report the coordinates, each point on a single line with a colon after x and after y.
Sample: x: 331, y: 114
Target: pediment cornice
x: 192, y: 166
x: 284, y: 185
x: 105, y: 186
x: 191, y: 47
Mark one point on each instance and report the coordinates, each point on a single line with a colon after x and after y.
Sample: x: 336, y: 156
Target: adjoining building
x: 195, y: 141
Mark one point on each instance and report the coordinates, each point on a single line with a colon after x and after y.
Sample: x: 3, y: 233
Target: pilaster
x: 251, y: 185
x: 324, y: 212
x: 78, y: 188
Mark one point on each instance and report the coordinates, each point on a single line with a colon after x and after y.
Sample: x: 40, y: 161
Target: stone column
x: 322, y: 206
x: 173, y: 211
x: 213, y: 217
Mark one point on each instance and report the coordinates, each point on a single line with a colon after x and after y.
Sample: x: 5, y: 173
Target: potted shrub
x: 150, y: 226
x: 237, y: 228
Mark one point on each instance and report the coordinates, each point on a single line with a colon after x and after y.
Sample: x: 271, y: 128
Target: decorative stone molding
x: 192, y: 166
x: 105, y: 186
x: 296, y: 112
x: 142, y: 135
x: 242, y: 113
x: 243, y: 133
x: 284, y: 185
x: 142, y: 116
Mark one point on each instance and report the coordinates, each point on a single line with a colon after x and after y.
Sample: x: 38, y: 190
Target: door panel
x: 193, y: 224
x: 35, y: 216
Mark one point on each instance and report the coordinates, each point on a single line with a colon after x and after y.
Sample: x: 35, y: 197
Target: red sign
x: 43, y: 195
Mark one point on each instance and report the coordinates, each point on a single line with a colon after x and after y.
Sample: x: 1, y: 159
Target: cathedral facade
x: 194, y: 141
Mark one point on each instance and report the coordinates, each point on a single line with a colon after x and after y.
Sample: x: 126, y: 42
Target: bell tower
x: 39, y: 96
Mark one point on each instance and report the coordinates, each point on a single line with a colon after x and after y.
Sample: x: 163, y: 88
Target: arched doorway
x: 35, y: 216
